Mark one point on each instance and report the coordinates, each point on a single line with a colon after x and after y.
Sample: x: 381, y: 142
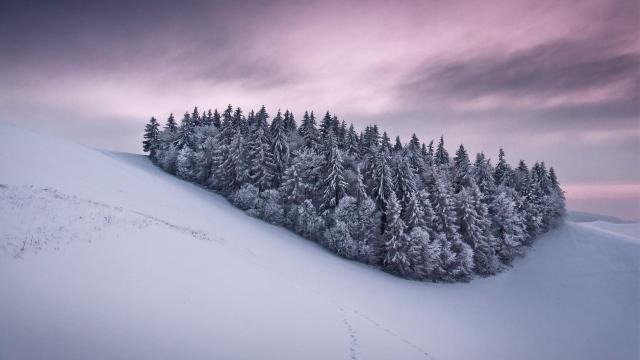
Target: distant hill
x: 580, y: 216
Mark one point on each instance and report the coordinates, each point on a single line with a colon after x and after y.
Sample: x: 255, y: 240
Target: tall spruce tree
x: 441, y: 156
x: 151, y: 141
x: 279, y: 148
x: 333, y: 187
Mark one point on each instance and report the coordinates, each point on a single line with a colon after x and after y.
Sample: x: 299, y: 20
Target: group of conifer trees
x: 408, y: 208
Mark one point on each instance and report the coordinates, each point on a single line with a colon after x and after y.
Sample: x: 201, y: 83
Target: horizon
x: 547, y: 81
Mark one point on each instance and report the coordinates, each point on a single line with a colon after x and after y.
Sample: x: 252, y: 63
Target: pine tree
x: 227, y: 128
x: 186, y: 133
x: 441, y: 156
x: 334, y: 186
x: 395, y: 242
x: 456, y: 256
x: 326, y: 126
x: 151, y: 141
x: 397, y: 147
x: 475, y: 229
x: 235, y: 168
x: 260, y: 159
x: 507, y: 225
x: 239, y: 123
x: 207, y: 118
x: 385, y: 143
x: 216, y: 119
x: 462, y: 176
x: 483, y: 177
x: 308, y: 131
x: 379, y: 178
x: 502, y: 175
x: 196, y: 118
x: 279, y: 148
x: 298, y: 182
x: 290, y: 122
x: 171, y: 124
x: 352, y: 146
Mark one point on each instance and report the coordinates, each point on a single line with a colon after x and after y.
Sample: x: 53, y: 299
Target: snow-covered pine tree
x: 475, y: 228
x: 300, y: 178
x: 279, y: 148
x: 507, y: 225
x: 379, y: 180
x: 456, y: 256
x: 260, y: 158
x: 503, y: 174
x: 290, y: 122
x: 397, y: 147
x: 151, y: 141
x: 483, y: 176
x: 395, y: 243
x: 235, y: 167
x: 186, y: 133
x: 196, y: 119
x: 333, y: 187
x: 462, y: 175
x: 557, y: 203
x: 171, y: 124
x: 416, y: 159
x: 385, y: 143
x: 441, y: 156
x: 308, y: 131
x: 227, y: 129
x: 216, y: 119
x: 352, y: 146
x: 341, y: 135
x: 326, y: 126
x: 239, y: 123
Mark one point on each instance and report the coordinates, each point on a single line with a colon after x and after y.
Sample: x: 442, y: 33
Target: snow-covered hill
x: 104, y: 256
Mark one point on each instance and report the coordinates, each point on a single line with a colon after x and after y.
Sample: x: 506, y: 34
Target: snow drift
x: 104, y: 256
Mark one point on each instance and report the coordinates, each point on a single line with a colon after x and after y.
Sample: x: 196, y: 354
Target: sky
x: 556, y: 81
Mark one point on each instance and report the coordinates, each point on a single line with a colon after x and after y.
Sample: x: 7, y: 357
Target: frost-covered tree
x: 289, y: 122
x: 503, y: 174
x: 235, y: 167
x: 395, y: 243
x: 308, y: 222
x: 475, y: 229
x: 279, y: 148
x: 507, y: 225
x: 333, y: 187
x: 260, y: 159
x: 300, y: 178
x: 456, y: 256
x: 441, y: 156
x: 186, y: 133
x: 247, y: 197
x: 379, y: 177
x: 151, y: 141
x: 462, y: 174
x: 308, y: 131
x: 483, y: 177
x: 171, y: 124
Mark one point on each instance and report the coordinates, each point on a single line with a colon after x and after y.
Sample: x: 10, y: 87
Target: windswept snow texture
x: 104, y: 256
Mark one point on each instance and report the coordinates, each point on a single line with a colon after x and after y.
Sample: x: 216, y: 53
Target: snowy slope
x: 104, y: 256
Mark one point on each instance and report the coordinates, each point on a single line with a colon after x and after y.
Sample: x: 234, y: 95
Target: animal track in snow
x: 354, y: 346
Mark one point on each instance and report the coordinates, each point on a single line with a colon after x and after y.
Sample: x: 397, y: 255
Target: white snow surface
x: 104, y: 256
